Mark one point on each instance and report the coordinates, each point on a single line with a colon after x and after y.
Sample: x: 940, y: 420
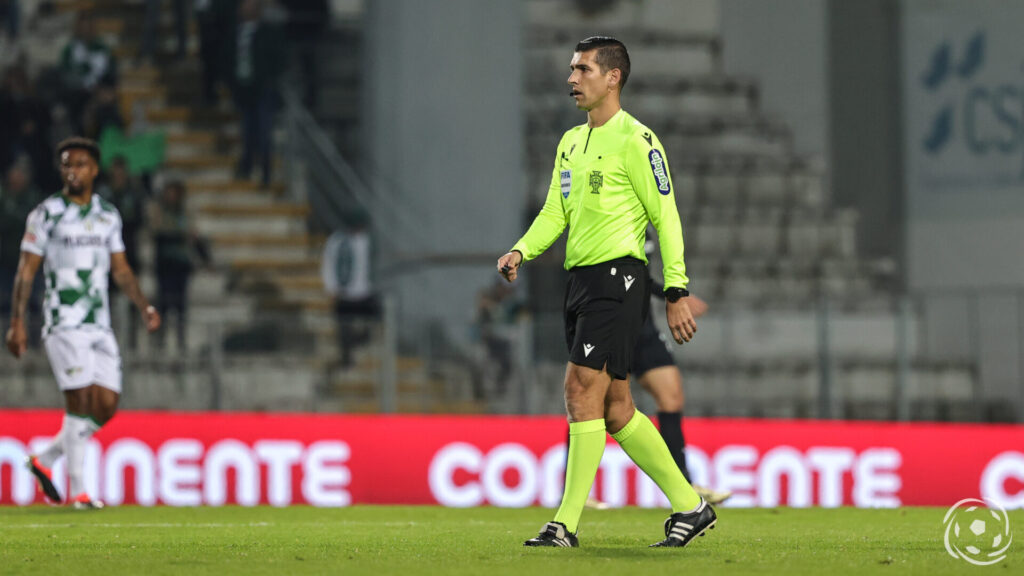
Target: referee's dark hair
x: 610, y: 54
x: 79, y: 143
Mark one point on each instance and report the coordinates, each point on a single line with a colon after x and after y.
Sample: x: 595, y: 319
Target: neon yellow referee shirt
x: 607, y: 183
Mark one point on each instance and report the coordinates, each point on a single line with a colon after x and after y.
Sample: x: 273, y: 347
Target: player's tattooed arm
x: 125, y: 279
x: 28, y: 265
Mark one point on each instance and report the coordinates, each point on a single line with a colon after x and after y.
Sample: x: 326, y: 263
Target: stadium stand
x: 766, y: 246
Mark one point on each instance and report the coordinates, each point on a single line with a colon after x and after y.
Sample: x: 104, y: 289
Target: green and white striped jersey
x: 75, y: 243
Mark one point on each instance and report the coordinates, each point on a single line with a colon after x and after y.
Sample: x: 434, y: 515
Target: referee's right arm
x: 546, y: 228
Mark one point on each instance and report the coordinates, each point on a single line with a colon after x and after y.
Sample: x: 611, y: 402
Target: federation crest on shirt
x: 596, y: 181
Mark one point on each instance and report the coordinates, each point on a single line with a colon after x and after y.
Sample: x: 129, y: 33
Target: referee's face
x: 588, y: 86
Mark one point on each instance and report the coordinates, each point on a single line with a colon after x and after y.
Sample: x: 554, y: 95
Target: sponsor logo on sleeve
x: 660, y: 173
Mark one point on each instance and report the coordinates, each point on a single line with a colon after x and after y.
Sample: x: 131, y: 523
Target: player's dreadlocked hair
x: 610, y: 54
x: 79, y: 143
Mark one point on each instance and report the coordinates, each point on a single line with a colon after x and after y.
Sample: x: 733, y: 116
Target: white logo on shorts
x: 977, y: 531
x: 629, y: 281
x: 587, y: 349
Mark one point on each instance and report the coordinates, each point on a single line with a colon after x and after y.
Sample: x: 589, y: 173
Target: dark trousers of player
x: 172, y: 294
x: 257, y: 112
x: 352, y: 317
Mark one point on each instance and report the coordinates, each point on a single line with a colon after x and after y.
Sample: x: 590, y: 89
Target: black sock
x: 670, y: 424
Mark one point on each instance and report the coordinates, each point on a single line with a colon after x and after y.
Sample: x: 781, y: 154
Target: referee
x: 610, y: 178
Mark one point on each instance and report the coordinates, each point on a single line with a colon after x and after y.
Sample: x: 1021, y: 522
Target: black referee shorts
x: 652, y: 350
x: 605, y: 306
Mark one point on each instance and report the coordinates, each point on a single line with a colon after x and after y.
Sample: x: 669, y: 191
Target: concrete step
x: 224, y: 148
x: 117, y: 26
x: 296, y: 283
x: 141, y: 77
x: 195, y: 142
x: 284, y: 286
x: 300, y: 305
x: 312, y: 242
x: 277, y: 219
x: 233, y: 186
x: 185, y: 117
x: 202, y: 198
x: 196, y: 162
x: 166, y: 51
x: 208, y: 286
x: 212, y: 222
x: 269, y: 267
x: 272, y: 211
x: 227, y: 252
x: 147, y: 94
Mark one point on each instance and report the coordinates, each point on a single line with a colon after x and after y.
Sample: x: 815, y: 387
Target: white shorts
x: 83, y: 357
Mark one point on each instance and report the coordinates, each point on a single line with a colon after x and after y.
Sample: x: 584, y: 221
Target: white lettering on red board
x: 184, y: 472
x: 812, y: 477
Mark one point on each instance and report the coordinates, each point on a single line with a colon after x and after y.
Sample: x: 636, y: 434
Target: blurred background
x: 315, y: 193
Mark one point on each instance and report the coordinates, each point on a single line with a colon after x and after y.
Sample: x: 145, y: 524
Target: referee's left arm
x: 649, y: 175
x: 648, y: 171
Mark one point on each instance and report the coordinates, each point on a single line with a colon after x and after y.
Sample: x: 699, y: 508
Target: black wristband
x: 674, y: 294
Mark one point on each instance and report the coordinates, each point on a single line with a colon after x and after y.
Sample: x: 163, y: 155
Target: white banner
x: 963, y: 95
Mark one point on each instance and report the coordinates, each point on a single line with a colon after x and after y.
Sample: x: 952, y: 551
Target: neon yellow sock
x: 641, y: 441
x: 586, y: 445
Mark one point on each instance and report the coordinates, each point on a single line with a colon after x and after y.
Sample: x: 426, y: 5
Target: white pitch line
x: 405, y: 524
x: 139, y: 525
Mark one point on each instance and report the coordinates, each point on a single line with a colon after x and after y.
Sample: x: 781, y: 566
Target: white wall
x: 444, y: 130
x: 783, y: 44
x: 964, y: 142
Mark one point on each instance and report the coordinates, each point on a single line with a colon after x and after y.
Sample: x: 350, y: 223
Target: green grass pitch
x: 478, y: 541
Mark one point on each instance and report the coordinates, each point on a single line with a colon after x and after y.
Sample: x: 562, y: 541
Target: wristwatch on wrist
x: 674, y: 294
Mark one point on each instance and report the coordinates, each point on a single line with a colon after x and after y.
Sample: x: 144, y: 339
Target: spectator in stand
x: 10, y: 15
x: 346, y: 270
x: 25, y: 124
x: 130, y: 198
x: 18, y: 196
x: 213, y: 18
x: 85, y: 62
x: 256, y: 57
x: 102, y: 111
x: 151, y: 29
x: 498, y: 308
x: 307, y: 20
x: 177, y: 244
